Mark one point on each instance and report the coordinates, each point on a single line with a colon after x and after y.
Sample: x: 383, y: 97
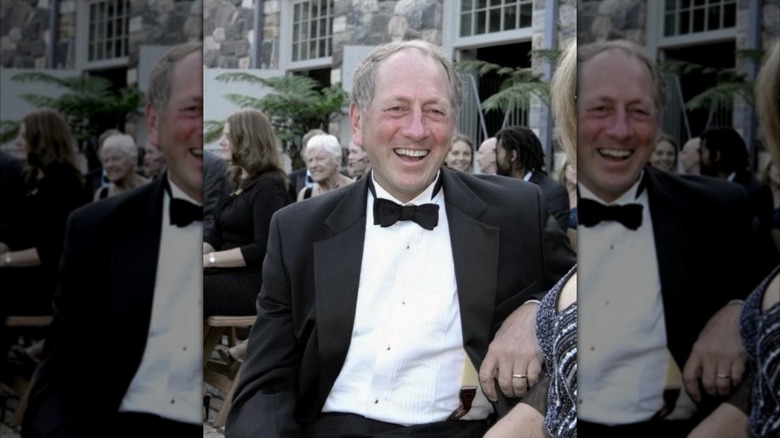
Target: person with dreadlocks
x: 519, y: 155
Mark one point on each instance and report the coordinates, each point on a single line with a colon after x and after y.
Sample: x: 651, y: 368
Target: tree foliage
x: 90, y: 105
x: 295, y: 105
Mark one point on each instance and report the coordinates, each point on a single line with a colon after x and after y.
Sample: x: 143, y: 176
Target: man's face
x: 407, y: 128
x: 357, y: 160
x: 708, y: 163
x: 177, y: 129
x: 486, y: 156
x: 503, y: 161
x: 154, y: 161
x: 617, y: 122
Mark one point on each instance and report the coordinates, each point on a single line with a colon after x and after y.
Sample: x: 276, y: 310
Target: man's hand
x: 514, y: 352
x: 718, y: 356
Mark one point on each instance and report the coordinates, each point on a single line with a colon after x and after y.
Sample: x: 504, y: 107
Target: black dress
x: 242, y: 221
x: 38, y: 221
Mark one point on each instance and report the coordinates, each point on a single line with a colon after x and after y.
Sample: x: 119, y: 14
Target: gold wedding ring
x: 519, y: 376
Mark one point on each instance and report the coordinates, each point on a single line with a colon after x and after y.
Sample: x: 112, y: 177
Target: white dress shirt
x: 622, y: 351
x: 405, y: 360
x: 169, y: 379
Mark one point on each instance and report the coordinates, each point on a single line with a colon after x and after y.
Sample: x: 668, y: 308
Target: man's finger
x: 691, y: 374
x: 486, y: 375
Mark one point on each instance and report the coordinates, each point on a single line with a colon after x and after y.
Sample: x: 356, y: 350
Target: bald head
x: 486, y: 156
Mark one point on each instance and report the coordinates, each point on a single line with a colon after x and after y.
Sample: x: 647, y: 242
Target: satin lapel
x: 337, y: 262
x: 475, y: 253
x: 134, y: 261
x: 673, y: 248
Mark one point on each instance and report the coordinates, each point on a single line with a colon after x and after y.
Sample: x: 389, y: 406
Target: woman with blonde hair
x: 36, y: 232
x: 550, y: 407
x: 755, y: 410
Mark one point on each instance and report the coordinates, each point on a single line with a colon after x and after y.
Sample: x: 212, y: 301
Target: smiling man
x: 654, y: 283
x: 385, y: 338
x: 132, y: 267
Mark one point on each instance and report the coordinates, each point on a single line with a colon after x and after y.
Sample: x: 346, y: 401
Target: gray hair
x: 588, y: 52
x: 364, y: 81
x: 328, y: 143
x: 123, y: 143
x: 160, y: 82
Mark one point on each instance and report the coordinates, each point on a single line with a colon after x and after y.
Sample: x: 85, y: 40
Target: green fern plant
x: 89, y: 105
x: 295, y: 105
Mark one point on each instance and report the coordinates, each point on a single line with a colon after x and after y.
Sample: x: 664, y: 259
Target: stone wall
x: 600, y: 20
x: 24, y: 30
x: 24, y: 34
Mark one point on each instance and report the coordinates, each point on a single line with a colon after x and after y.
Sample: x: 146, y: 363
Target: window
x: 107, y: 34
x: 479, y: 17
x: 684, y: 17
x: 312, y: 29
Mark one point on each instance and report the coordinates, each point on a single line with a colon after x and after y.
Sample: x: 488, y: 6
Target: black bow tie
x: 590, y: 213
x: 387, y: 212
x: 184, y: 212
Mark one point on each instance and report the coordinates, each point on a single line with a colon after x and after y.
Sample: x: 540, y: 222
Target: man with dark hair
x: 130, y: 288
x: 724, y: 155
x: 519, y: 155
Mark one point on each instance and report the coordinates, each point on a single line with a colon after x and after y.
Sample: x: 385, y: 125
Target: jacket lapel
x: 337, y: 262
x: 475, y: 252
x: 134, y: 256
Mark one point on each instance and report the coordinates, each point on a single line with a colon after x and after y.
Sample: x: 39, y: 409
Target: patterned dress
x: 761, y: 336
x: 557, y: 333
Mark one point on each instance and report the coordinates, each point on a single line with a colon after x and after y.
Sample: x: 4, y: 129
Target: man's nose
x: 620, y: 128
x: 415, y: 126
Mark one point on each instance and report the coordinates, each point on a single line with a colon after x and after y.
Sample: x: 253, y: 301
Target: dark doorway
x: 507, y: 55
x: 719, y: 56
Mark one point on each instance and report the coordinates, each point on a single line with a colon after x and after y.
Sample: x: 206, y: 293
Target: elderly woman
x: 119, y: 157
x: 323, y: 159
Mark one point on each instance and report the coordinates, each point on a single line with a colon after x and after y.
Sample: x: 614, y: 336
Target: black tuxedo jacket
x: 557, y: 198
x: 102, y: 313
x: 701, y: 227
x: 297, y: 182
x: 506, y: 249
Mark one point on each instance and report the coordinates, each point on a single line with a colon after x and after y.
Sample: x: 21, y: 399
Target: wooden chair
x: 25, y: 387
x: 217, y: 373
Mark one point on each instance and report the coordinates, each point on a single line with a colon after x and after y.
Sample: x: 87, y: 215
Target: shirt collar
x: 425, y: 197
x: 177, y: 193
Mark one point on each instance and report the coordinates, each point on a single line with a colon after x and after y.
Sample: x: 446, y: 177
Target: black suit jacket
x: 102, y: 313
x: 506, y: 249
x: 762, y: 206
x: 557, y: 198
x: 701, y: 227
x: 297, y: 182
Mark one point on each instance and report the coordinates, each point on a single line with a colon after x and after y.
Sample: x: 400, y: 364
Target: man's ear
x: 513, y: 156
x: 150, y: 114
x: 356, y: 122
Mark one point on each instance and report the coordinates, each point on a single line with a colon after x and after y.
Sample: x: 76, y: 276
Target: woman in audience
x: 233, y: 252
x: 552, y: 402
x: 119, y: 157
x: 755, y: 411
x: 54, y: 187
x: 461, y: 156
x: 665, y: 154
x: 323, y: 159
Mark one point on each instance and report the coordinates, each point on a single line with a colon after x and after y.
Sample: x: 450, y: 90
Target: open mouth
x: 615, y: 154
x: 197, y: 153
x: 411, y: 154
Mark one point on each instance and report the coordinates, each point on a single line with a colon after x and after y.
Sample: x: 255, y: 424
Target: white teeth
x: 617, y: 153
x: 416, y: 153
x: 197, y: 152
